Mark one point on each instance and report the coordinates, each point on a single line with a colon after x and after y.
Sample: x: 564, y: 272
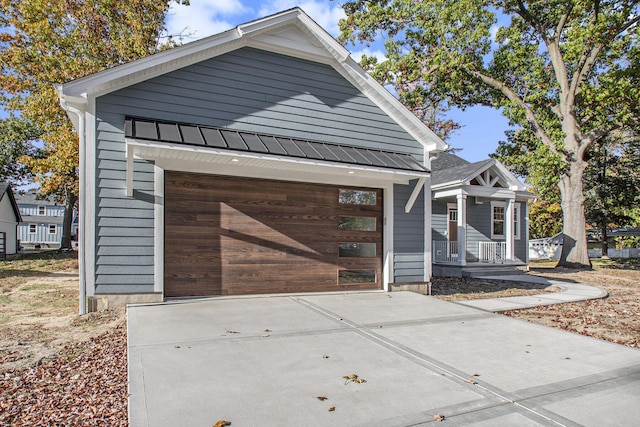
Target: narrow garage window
x: 357, y: 250
x: 346, y: 277
x: 357, y: 197
x: 357, y: 223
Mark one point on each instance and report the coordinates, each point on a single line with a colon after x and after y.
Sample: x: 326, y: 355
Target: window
x: 356, y: 197
x: 42, y: 210
x: 357, y: 250
x: 53, y: 229
x: 346, y: 277
x: 356, y: 223
x: 33, y: 228
x: 498, y: 213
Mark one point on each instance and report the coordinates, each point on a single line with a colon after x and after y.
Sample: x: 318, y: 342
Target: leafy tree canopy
x: 565, y: 72
x: 55, y: 41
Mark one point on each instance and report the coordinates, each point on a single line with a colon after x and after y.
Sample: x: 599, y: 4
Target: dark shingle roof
x: 451, y: 168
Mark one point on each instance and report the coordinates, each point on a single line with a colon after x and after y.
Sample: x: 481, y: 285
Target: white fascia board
x: 152, y: 66
x: 514, y: 183
x: 258, y: 165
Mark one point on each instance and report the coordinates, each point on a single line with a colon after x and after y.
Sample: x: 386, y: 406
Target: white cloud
x: 379, y: 54
x: 325, y: 13
x: 203, y: 18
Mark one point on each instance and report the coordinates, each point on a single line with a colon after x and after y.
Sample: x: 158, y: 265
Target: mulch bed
x: 463, y: 288
x: 85, y: 385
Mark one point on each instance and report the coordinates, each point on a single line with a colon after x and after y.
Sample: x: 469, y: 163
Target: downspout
x: 81, y: 205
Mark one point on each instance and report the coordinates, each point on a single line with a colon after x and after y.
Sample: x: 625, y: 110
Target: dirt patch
x: 462, y: 288
x: 39, y: 309
x: 615, y: 318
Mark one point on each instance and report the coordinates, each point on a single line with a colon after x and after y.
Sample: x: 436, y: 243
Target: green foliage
x: 545, y: 219
x: 14, y: 136
x: 48, y: 42
x: 564, y: 72
x: 612, y: 183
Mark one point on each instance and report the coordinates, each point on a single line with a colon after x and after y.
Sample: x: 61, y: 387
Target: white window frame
x: 43, y: 209
x: 516, y: 219
x: 35, y: 228
x: 53, y: 227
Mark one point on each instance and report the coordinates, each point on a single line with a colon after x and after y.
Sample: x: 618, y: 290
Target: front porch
x: 492, y: 260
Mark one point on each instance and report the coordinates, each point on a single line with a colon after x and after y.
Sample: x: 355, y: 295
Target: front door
x: 452, y: 232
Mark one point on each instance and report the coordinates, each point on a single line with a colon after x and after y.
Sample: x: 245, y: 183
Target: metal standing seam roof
x: 191, y: 134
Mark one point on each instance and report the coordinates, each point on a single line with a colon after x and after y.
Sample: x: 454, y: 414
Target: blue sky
x: 482, y: 127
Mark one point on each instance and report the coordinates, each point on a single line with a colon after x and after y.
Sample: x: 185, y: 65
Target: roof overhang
x: 209, y: 160
x: 492, y: 193
x: 291, y: 33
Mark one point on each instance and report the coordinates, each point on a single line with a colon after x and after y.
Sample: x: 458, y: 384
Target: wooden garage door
x: 227, y: 235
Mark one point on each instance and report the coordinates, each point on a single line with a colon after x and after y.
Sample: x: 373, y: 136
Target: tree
x: 47, y: 42
x: 612, y: 181
x: 14, y: 131
x: 565, y: 71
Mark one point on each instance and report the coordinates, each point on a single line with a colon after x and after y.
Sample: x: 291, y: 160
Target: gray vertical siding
x: 250, y: 90
x: 408, y: 239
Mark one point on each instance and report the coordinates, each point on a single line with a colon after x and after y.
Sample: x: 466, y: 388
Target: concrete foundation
x: 106, y: 301
x: 417, y: 287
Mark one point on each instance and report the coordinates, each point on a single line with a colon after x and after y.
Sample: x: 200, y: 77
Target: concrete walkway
x: 570, y: 292
x: 266, y: 361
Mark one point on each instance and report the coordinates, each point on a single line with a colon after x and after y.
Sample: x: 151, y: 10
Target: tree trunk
x: 605, y: 242
x: 575, y: 253
x: 69, y: 203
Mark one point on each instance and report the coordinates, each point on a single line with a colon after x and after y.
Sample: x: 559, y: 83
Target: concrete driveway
x: 263, y: 361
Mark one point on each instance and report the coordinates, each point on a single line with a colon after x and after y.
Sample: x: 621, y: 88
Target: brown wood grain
x: 228, y: 236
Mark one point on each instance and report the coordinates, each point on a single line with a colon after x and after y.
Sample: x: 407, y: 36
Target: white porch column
x: 509, y: 229
x: 462, y: 228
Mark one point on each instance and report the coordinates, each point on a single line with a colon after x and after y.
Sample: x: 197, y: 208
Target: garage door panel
x: 227, y: 236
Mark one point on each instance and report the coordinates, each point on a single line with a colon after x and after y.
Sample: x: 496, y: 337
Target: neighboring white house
x: 9, y: 219
x: 41, y: 220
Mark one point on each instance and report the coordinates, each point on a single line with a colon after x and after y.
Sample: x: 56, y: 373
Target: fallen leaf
x: 331, y: 409
x: 470, y: 382
x: 438, y: 417
x: 265, y: 335
x: 232, y: 332
x: 321, y: 398
x: 222, y: 423
x: 325, y: 357
x: 267, y: 330
x: 353, y: 378
x: 567, y: 358
x: 476, y: 375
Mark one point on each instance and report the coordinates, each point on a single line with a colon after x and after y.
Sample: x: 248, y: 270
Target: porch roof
x: 236, y: 141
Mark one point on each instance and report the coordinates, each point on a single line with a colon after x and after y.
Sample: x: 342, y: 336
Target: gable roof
x: 450, y: 170
x: 290, y: 32
x: 5, y: 189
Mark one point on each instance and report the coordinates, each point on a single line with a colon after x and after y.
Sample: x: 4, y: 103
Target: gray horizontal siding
x: 439, y: 221
x: 408, y: 240
x: 124, y: 225
x: 247, y: 90
x: 263, y: 92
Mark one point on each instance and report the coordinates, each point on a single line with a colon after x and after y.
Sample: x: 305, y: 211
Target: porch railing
x: 494, y: 252
x: 444, y: 251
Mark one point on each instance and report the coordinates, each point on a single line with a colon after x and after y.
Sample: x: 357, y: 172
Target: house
x: 472, y: 203
x: 9, y: 219
x: 259, y: 160
x: 42, y: 218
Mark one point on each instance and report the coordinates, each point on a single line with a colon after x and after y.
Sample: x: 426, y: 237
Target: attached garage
x: 226, y: 235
